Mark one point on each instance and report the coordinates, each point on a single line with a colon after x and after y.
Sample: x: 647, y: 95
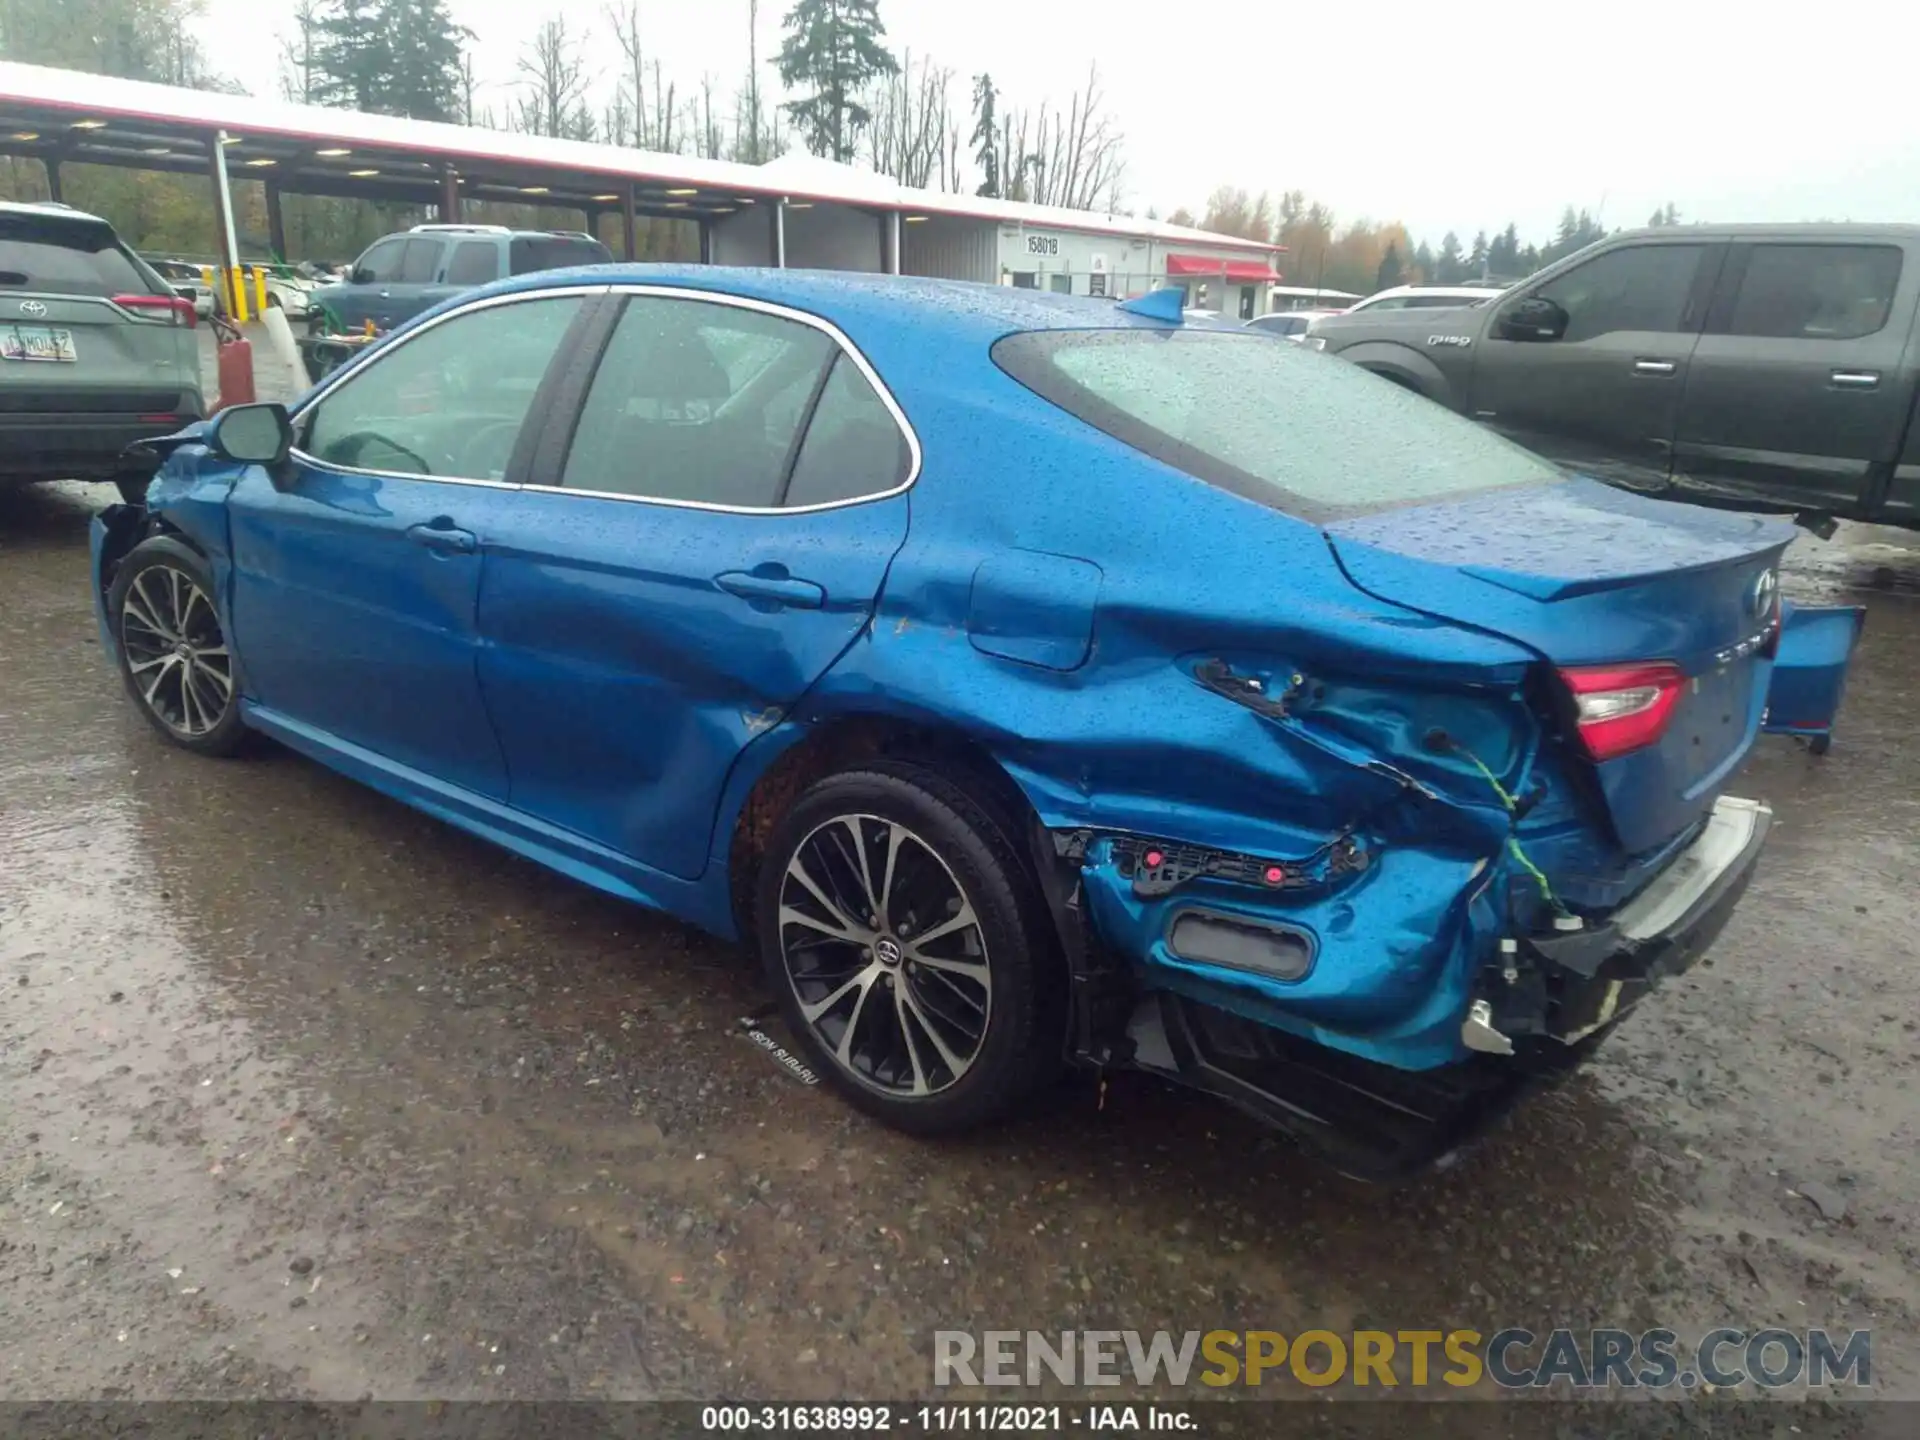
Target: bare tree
x: 299, y: 55
x: 1072, y: 159
x: 913, y: 124
x: 556, y: 80
x: 633, y: 77
x: 747, y: 140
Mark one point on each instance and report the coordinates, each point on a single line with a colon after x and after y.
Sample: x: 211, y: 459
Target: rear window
x: 1305, y: 433
x: 61, y: 257
x: 529, y: 253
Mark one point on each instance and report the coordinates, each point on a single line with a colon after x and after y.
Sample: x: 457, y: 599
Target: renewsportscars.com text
x: 1512, y: 1359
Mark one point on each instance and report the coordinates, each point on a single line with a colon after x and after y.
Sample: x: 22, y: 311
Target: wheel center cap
x: 183, y: 650
x: 887, y: 950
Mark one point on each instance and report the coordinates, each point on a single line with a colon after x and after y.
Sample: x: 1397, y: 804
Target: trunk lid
x: 1588, y: 576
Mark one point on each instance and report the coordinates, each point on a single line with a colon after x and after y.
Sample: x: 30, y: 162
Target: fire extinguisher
x: 235, y: 366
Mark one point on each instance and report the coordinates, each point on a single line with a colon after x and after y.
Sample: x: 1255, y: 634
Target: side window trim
x: 531, y: 429
x: 570, y: 403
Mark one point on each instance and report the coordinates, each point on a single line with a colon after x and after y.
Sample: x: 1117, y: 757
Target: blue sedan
x: 1026, y: 679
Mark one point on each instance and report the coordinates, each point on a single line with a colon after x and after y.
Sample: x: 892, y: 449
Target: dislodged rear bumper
x: 1567, y: 985
x: 1539, y: 1005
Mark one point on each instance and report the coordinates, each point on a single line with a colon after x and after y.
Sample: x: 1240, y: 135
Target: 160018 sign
x: 1043, y: 244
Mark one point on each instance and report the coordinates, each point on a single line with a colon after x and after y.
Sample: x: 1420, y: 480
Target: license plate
x: 37, y: 342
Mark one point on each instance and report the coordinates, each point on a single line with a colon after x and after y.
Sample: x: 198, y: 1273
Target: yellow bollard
x: 237, y: 292
x: 260, y: 290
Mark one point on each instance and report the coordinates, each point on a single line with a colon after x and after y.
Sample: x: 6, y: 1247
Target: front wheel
x: 908, y: 950
x: 174, y: 658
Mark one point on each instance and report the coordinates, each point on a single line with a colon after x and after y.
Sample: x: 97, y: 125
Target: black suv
x: 403, y: 275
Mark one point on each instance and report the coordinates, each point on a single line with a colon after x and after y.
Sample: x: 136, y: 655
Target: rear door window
x: 1279, y: 424
x: 61, y: 257
x: 528, y: 253
x: 1814, y: 292
x: 854, y: 446
x: 474, y: 262
x: 693, y: 403
x: 420, y: 262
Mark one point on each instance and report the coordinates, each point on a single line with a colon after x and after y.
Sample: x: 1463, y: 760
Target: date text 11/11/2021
x: 945, y: 1419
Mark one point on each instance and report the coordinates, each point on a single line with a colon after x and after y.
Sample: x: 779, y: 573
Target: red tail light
x: 1623, y: 708
x: 175, y: 309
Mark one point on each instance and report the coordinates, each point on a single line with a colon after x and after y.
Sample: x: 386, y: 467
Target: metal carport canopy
x: 65, y: 116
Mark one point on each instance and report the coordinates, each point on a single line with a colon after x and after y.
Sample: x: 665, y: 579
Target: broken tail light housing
x: 173, y: 309
x: 1623, y: 708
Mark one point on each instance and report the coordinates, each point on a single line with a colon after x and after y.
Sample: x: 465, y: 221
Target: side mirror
x: 360, y: 275
x: 1533, y: 317
x: 251, y: 434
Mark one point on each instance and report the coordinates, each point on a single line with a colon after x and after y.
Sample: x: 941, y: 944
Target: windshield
x: 1306, y: 433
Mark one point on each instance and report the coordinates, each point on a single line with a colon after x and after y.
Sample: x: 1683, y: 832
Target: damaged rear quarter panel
x: 1117, y: 737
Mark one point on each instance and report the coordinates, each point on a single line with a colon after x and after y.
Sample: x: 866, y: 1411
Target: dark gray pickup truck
x: 1754, y: 367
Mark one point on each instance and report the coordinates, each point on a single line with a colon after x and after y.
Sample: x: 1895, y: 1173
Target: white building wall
x: 1060, y: 258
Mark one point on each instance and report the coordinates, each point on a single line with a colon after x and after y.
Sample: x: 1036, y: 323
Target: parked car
x: 96, y: 351
x: 1759, y: 367
x: 1221, y: 712
x: 287, y: 289
x: 404, y: 275
x: 1424, y: 297
x: 188, y: 281
x: 1288, y: 324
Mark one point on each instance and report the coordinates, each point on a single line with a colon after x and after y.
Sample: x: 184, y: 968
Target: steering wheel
x: 353, y: 444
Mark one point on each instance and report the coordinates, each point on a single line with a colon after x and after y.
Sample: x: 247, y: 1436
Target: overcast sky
x: 1442, y: 117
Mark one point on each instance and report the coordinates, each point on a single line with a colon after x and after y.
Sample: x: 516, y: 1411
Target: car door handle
x: 771, y: 584
x: 1654, y: 367
x: 1855, y: 379
x: 443, y: 537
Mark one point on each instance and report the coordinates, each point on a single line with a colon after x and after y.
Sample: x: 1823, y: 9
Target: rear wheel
x: 174, y: 657
x: 907, y: 949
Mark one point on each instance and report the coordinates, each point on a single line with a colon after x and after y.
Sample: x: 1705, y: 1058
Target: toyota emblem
x: 33, y: 308
x: 1764, y: 590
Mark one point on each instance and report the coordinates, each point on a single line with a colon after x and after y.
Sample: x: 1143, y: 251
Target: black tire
x: 133, y: 488
x: 172, y: 666
x: 915, y: 1090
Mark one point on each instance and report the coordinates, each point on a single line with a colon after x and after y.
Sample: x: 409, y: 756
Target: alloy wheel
x: 175, y: 651
x: 885, y: 955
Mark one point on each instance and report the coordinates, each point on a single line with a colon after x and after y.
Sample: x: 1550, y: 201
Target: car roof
x: 51, y: 212
x: 960, y: 306
x: 1820, y: 230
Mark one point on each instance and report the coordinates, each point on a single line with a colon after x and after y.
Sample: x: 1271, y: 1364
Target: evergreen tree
x: 1477, y: 257
x: 1450, y: 265
x: 833, y: 47
x: 353, y: 60
x: 424, y: 79
x: 1503, y: 255
x: 1391, y: 272
x: 1424, y: 262
x: 986, y: 134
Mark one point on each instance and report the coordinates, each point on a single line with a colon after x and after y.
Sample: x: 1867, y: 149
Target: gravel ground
x: 305, y: 1095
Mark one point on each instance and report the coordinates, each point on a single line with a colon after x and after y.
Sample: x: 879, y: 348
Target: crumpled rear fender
x: 1134, y: 743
